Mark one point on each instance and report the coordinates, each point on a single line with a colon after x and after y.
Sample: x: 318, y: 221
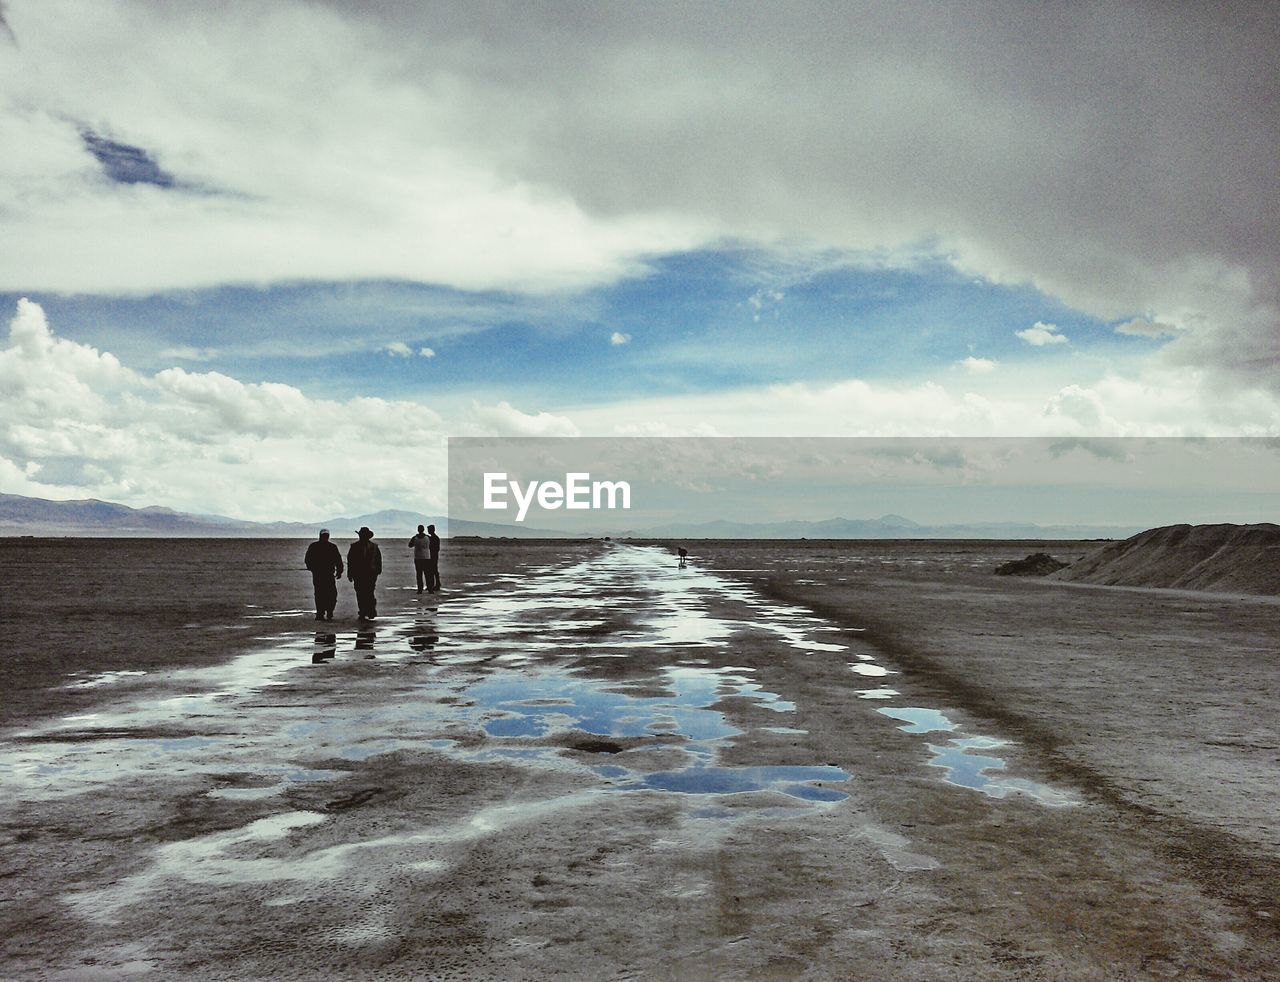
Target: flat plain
x: 790, y: 759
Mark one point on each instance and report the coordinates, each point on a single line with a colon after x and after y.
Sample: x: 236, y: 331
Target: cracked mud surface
x: 789, y: 760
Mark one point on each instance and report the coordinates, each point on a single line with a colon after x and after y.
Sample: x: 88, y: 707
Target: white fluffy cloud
x: 398, y: 349
x: 1039, y: 335
x: 1166, y: 401
x: 618, y: 338
x: 977, y: 366
x: 1119, y: 156
x: 505, y: 420
x: 74, y: 422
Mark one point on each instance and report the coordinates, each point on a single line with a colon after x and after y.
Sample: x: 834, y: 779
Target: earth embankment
x: 1218, y: 558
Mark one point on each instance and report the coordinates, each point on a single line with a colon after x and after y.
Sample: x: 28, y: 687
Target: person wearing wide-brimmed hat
x: 364, y: 564
x: 325, y: 562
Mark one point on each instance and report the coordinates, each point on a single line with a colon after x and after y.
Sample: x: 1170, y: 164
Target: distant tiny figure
x: 421, y: 546
x: 364, y: 566
x: 684, y: 557
x: 433, y: 565
x: 325, y: 562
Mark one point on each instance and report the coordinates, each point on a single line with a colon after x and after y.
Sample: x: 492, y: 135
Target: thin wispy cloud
x: 1143, y: 328
x: 188, y: 353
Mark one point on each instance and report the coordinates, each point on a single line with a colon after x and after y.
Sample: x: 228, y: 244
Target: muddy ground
x: 789, y: 760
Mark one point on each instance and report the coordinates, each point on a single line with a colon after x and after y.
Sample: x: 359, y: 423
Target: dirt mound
x: 1223, y: 558
x: 1037, y: 564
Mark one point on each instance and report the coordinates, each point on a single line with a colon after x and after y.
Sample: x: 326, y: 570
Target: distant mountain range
x: 38, y: 516
x: 886, y: 527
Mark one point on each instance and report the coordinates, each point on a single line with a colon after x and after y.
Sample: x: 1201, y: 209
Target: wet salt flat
x: 518, y: 637
x: 508, y: 674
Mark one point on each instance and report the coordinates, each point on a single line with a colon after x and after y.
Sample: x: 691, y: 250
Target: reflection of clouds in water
x: 918, y: 720
x: 91, y: 680
x: 546, y: 702
x: 870, y: 670
x: 969, y: 770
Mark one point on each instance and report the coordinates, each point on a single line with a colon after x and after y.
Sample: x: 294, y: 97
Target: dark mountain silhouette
x: 39, y: 516
x: 887, y: 527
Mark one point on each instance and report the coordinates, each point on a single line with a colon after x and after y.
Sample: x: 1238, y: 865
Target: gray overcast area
x: 1122, y: 156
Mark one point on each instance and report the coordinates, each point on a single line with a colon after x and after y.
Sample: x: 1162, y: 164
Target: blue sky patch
x: 125, y: 163
x: 696, y: 322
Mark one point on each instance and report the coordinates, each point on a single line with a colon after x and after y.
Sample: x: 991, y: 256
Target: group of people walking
x: 364, y: 566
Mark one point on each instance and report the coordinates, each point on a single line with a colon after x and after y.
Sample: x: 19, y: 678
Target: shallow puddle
x: 550, y: 703
x: 870, y: 670
x: 966, y: 769
x: 918, y: 720
x: 91, y: 680
x: 803, y: 782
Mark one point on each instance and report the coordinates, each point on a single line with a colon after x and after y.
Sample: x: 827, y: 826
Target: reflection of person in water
x: 684, y: 556
x: 325, y: 562
x: 421, y: 547
x: 433, y: 562
x: 364, y: 565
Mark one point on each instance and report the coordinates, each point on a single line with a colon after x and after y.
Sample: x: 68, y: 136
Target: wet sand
x: 787, y: 760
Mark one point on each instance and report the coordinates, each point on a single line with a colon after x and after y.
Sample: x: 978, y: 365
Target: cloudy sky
x: 262, y: 259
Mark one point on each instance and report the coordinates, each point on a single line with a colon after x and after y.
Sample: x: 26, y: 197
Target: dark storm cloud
x: 1121, y: 155
x: 4, y: 25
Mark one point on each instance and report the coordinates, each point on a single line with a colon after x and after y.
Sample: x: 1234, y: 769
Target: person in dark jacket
x: 364, y: 565
x: 325, y: 562
x: 433, y: 563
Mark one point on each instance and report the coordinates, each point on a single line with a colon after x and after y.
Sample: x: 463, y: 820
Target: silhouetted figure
x: 326, y: 647
x: 325, y: 562
x: 421, y: 547
x: 684, y: 557
x: 423, y: 642
x: 433, y: 562
x: 364, y: 566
